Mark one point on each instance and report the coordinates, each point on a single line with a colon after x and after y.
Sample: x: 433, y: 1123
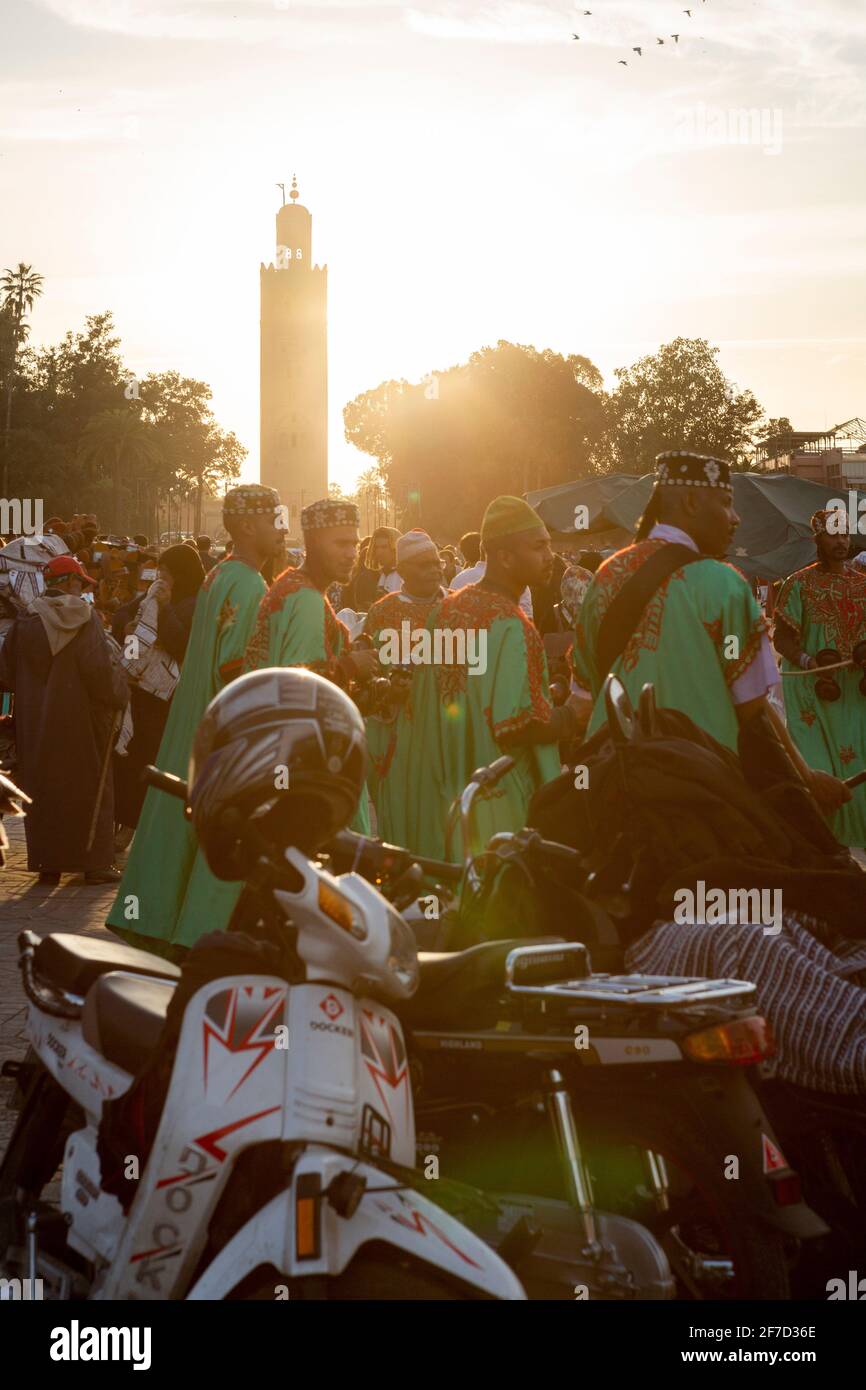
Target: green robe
x: 388, y: 741
x: 458, y: 721
x: 296, y: 626
x: 682, y: 643
x: 166, y: 879
x: 821, y: 610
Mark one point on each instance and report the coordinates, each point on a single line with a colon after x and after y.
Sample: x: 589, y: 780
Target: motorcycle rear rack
x: 640, y: 991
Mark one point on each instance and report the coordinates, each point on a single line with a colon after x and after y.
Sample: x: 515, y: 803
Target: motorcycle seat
x: 124, y: 1015
x: 73, y: 962
x: 457, y: 986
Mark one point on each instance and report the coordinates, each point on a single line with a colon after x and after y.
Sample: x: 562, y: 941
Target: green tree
x: 778, y: 428
x: 510, y: 419
x: 59, y: 388
x: 198, y: 455
x: 119, y: 442
x: 19, y: 290
x: 679, y: 397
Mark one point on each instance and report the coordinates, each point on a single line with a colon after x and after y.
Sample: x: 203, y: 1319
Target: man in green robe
x: 168, y: 896
x: 701, y: 639
x: 391, y: 624
x: 296, y: 625
x: 480, y: 690
x: 824, y: 606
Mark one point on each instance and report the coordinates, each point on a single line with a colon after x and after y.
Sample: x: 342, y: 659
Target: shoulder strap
x: 624, y: 614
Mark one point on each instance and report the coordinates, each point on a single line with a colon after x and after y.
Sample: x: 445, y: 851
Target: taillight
x: 739, y: 1043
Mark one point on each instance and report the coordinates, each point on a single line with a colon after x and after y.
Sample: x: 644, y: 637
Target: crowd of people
x: 107, y: 684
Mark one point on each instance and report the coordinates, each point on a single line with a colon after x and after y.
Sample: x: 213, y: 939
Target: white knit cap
x: 413, y: 545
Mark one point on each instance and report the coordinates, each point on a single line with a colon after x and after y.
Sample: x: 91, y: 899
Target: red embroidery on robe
x: 837, y: 601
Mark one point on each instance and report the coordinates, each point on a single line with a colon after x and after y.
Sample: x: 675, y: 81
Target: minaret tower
x: 294, y: 365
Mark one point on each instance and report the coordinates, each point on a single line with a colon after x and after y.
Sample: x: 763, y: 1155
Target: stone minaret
x: 294, y: 366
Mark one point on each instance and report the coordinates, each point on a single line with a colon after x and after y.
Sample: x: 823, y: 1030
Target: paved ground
x: 25, y: 904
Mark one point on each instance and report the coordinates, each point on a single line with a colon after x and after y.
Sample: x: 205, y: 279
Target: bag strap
x: 624, y: 614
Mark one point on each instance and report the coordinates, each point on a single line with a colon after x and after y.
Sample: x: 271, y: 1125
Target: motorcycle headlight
x: 402, y: 955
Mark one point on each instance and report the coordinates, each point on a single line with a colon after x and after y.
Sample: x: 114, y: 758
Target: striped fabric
x: 819, y: 1018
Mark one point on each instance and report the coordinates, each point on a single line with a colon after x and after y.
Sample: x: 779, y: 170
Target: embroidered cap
x: 327, y: 512
x: 830, y: 521
x: 682, y: 468
x: 250, y: 499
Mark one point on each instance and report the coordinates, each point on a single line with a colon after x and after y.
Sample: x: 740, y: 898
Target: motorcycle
x: 646, y: 1080
x: 281, y: 1162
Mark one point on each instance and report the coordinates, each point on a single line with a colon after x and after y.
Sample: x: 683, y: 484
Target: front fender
x: 389, y: 1215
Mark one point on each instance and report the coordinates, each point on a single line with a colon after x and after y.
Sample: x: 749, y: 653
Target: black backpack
x: 666, y: 805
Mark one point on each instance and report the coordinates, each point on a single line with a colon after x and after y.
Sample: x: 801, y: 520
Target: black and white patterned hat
x: 328, y: 512
x: 250, y: 499
x: 682, y: 468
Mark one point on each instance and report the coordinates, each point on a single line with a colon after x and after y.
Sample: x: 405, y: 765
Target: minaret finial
x: 293, y: 193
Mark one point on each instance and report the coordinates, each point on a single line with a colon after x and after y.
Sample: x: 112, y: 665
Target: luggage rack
x: 644, y: 991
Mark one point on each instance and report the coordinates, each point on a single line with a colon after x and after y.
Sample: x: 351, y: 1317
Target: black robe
x: 65, y: 708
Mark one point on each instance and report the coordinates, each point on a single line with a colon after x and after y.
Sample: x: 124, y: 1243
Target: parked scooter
x: 287, y: 1127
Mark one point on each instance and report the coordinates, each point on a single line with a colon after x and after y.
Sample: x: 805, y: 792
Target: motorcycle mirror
x: 619, y: 710
x: 646, y: 710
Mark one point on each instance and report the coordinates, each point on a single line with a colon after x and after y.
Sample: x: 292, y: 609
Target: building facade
x: 294, y: 366
x: 834, y: 457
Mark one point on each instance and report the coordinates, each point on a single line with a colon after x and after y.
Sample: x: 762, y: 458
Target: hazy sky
x: 473, y: 174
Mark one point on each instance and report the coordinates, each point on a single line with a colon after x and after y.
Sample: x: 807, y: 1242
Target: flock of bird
x: 623, y: 62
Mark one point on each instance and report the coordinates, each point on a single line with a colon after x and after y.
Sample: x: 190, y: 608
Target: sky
x: 474, y: 173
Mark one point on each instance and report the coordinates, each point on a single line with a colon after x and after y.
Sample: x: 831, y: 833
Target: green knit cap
x: 508, y: 516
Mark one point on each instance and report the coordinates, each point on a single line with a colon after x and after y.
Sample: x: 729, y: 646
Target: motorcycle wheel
x: 705, y: 1222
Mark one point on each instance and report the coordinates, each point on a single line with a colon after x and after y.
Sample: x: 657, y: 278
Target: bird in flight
x: 587, y: 12
x: 675, y: 37
x: 659, y: 40
x: 638, y: 51
x: 575, y: 36
x: 622, y: 63
x: 688, y: 12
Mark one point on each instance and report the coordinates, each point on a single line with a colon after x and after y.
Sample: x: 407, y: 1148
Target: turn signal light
x: 335, y: 906
x: 308, y: 1217
x: 739, y: 1043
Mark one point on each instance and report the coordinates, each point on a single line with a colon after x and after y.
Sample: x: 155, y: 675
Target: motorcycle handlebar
x: 165, y: 782
x: 377, y: 854
x: 489, y: 776
x: 554, y: 849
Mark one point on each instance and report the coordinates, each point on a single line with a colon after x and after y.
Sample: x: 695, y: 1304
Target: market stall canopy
x: 773, y: 539
x: 557, y: 506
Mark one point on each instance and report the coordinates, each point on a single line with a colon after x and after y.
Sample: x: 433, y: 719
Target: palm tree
x: 19, y: 290
x: 115, y: 440
x: 373, y: 497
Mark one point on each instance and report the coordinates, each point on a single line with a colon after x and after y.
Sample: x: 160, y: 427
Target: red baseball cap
x: 61, y: 565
